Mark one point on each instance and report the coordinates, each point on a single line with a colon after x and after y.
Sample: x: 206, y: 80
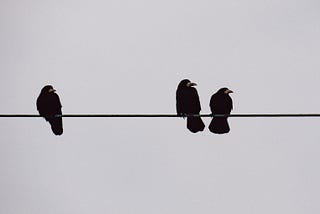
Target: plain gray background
x: 128, y: 57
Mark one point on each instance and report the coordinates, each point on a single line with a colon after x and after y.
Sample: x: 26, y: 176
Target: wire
x: 165, y: 115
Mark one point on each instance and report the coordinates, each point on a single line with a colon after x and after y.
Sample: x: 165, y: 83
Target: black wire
x: 165, y: 115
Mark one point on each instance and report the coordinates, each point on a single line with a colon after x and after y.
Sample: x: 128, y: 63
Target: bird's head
x: 186, y: 83
x: 225, y: 91
x: 47, y: 89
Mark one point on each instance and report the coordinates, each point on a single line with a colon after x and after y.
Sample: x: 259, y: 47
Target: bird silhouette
x: 220, y: 103
x: 49, y: 105
x: 187, y: 102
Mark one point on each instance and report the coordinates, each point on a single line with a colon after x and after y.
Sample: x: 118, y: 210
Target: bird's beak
x: 228, y: 91
x: 191, y: 84
x: 51, y: 90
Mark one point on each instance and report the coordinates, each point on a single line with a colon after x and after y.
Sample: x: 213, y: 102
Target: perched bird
x: 48, y: 105
x: 220, y: 103
x: 187, y: 102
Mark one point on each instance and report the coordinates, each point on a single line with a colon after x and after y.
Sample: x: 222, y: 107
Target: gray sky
x: 128, y: 57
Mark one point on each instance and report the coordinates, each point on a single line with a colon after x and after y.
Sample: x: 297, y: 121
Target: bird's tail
x: 219, y: 125
x: 56, y: 125
x: 195, y: 124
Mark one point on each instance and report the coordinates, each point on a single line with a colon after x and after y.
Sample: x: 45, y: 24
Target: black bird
x: 220, y: 103
x: 49, y: 105
x: 187, y: 102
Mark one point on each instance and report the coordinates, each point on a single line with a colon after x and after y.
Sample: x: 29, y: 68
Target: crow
x: 220, y: 103
x: 187, y: 102
x: 49, y: 105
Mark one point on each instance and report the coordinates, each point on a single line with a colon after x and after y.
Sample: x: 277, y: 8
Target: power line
x: 165, y: 115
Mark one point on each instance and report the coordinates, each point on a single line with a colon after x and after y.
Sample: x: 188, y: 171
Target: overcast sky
x: 128, y: 57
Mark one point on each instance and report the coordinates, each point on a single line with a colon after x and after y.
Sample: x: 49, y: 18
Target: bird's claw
x: 183, y: 115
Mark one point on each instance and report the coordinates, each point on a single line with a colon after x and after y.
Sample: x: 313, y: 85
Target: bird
x: 187, y: 102
x: 49, y: 105
x: 220, y: 103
